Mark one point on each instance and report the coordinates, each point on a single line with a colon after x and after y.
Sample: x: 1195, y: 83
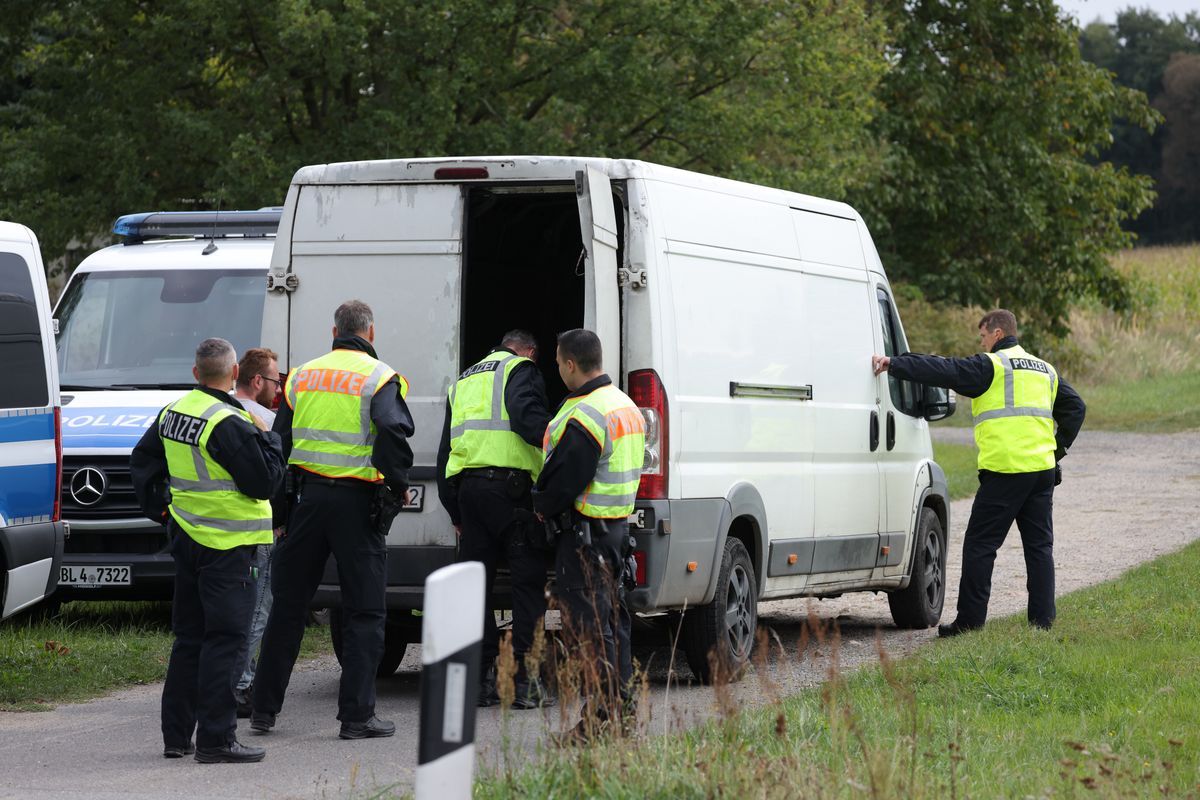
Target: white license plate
x: 416, y: 498
x: 93, y: 576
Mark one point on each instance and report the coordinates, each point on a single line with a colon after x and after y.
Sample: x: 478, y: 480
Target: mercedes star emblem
x: 88, y: 486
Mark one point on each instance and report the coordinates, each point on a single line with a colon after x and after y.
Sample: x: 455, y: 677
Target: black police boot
x: 178, y: 751
x: 262, y: 721
x: 374, y: 728
x: 488, y: 694
x: 532, y: 693
x: 955, y: 628
x: 233, y: 753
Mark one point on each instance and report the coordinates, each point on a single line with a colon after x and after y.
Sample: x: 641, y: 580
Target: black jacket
x: 254, y: 458
x: 394, y: 425
x: 971, y: 377
x: 572, y: 464
x: 528, y: 413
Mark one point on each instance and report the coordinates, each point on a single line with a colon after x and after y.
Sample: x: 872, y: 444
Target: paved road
x: 1127, y: 498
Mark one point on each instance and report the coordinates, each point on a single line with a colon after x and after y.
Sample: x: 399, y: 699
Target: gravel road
x: 1126, y: 498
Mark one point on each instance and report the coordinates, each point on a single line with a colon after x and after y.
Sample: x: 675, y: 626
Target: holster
x: 385, y: 505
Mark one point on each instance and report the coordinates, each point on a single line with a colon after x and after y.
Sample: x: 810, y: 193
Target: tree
x: 136, y: 105
x: 1136, y: 49
x: 1179, y: 103
x: 991, y: 193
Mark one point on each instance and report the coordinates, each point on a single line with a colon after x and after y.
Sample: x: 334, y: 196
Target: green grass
x: 1104, y: 706
x: 1164, y: 404
x: 91, y: 649
x: 959, y: 463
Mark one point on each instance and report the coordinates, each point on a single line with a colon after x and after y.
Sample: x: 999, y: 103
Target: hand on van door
x: 880, y: 363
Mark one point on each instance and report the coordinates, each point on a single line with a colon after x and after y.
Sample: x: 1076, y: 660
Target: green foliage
x: 1103, y: 706
x: 990, y: 193
x: 125, y: 106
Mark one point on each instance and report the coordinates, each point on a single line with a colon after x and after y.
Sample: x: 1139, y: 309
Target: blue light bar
x: 196, y: 224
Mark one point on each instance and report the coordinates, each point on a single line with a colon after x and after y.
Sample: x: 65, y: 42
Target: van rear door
x: 398, y: 247
x: 598, y: 226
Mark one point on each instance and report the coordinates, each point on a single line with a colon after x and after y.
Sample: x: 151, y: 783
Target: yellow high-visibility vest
x: 1014, y: 420
x: 619, y: 428
x: 205, y: 501
x: 481, y: 433
x: 330, y: 397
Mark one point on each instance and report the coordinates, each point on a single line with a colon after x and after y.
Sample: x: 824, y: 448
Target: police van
x: 128, y: 323
x: 740, y: 318
x: 31, y: 530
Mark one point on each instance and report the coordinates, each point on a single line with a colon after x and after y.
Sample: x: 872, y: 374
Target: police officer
x: 490, y: 454
x: 594, y: 447
x: 1017, y: 401
x: 345, y: 428
x: 221, y: 472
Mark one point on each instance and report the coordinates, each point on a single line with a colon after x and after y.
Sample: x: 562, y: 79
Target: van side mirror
x: 937, y: 403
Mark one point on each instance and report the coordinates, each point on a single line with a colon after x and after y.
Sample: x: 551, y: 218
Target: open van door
x: 598, y: 225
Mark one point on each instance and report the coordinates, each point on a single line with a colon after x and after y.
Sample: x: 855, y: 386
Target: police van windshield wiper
x: 79, y: 387
x: 154, y: 386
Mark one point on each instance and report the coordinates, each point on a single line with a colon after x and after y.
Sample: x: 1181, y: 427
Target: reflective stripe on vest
x: 205, y: 501
x: 1014, y: 419
x: 330, y: 397
x: 481, y: 433
x: 617, y: 425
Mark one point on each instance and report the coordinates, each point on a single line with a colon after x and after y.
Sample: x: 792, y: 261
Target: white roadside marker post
x: 451, y: 644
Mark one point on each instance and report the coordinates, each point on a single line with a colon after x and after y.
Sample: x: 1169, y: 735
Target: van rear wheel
x: 919, y: 605
x: 719, y: 637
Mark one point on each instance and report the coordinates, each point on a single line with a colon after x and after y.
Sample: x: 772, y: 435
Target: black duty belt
x: 306, y: 478
x: 494, y: 473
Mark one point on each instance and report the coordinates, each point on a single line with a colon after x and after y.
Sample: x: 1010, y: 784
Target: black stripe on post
x: 449, y: 691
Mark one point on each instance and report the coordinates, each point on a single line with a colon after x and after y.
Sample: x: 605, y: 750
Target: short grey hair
x: 353, y: 316
x: 519, y: 340
x: 215, y: 359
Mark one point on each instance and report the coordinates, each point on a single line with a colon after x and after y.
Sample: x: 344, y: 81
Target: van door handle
x: 874, y: 431
x: 891, y: 430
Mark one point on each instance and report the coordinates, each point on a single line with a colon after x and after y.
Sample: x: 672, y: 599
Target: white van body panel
x: 721, y: 288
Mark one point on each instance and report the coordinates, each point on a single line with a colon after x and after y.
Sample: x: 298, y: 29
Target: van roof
x: 15, y: 232
x: 231, y: 253
x: 524, y: 168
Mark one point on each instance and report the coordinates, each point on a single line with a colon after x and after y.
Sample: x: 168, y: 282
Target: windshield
x: 140, y: 329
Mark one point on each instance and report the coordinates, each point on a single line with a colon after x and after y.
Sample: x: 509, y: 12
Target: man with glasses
x: 257, y: 387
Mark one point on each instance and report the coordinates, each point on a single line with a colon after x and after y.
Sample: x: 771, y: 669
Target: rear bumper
x: 32, y: 554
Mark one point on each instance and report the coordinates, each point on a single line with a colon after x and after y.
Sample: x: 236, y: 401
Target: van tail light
x: 646, y: 390
x: 57, y: 464
x: 460, y: 173
x: 639, y: 557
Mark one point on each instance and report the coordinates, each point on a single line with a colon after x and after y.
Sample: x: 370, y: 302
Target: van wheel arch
x: 746, y: 521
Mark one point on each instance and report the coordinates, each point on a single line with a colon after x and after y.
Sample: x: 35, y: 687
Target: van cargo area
x: 523, y: 268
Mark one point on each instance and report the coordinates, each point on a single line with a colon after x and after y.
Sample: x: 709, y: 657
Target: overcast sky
x: 1088, y: 10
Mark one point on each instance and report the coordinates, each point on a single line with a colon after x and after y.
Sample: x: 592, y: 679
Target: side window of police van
x: 24, y: 381
x: 905, y: 394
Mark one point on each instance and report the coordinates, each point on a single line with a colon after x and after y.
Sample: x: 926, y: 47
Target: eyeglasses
x: 275, y: 381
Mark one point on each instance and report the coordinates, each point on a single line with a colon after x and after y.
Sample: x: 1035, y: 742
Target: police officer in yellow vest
x: 489, y: 457
x: 595, y: 447
x: 219, y: 471
x: 345, y: 430
x: 1018, y: 400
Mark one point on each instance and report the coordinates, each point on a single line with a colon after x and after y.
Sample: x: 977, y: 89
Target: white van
x: 31, y: 530
x: 740, y: 318
x: 128, y: 322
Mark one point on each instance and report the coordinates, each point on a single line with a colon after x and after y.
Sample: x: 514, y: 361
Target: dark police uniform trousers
x: 1028, y: 499
x: 487, y: 500
x: 330, y: 517
x: 589, y: 592
x: 210, y: 616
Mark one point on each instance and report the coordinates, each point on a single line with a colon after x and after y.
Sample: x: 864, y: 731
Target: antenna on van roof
x: 211, y: 247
